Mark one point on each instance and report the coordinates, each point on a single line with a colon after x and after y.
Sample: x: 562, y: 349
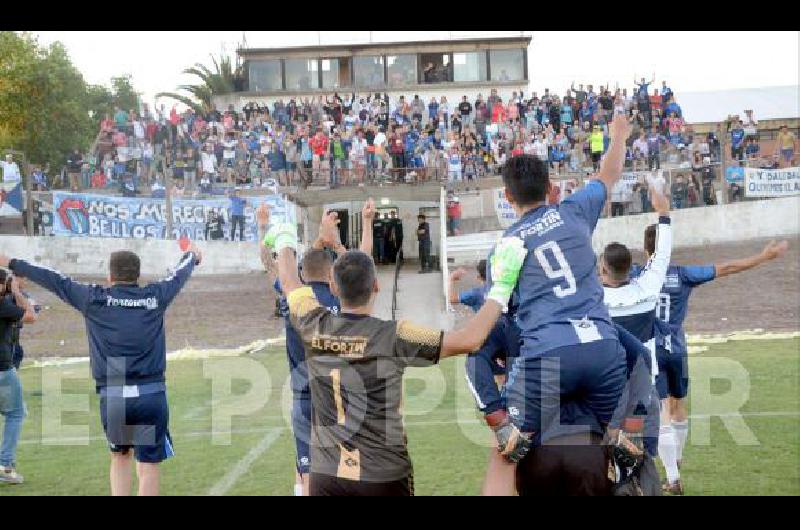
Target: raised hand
x: 457, y: 274
x: 659, y: 201
x: 620, y: 129
x: 329, y: 229
x: 369, y: 211
x: 775, y: 250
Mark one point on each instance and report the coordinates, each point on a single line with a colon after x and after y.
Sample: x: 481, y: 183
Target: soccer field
x: 447, y: 440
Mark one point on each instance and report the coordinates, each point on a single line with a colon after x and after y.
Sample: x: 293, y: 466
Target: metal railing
x: 397, y: 265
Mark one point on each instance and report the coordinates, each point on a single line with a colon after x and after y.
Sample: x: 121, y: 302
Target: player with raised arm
x: 672, y: 381
x: 127, y: 347
x: 569, y: 345
x: 316, y: 271
x: 356, y: 362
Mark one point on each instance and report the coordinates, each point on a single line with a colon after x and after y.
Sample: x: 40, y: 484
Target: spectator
x: 750, y: 125
x: 214, y: 229
x: 11, y: 170
x: 424, y: 239
x: 237, y: 206
x: 654, y: 141
x: 465, y: 110
x: 786, y: 146
x: 737, y: 140
x: 74, y: 166
x: 679, y: 192
x: 640, y: 152
x: 596, y: 142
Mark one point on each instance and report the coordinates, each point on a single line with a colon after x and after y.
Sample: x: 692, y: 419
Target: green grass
x: 447, y: 442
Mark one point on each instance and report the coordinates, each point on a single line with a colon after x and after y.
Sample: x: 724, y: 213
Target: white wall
x: 89, y: 256
x: 692, y: 227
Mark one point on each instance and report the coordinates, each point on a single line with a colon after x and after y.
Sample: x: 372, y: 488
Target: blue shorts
x: 594, y: 372
x: 301, y: 426
x: 139, y: 423
x: 489, y: 362
x: 673, y: 374
x: 301, y: 399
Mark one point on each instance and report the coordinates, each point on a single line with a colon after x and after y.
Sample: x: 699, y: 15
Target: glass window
x: 469, y: 66
x: 336, y: 72
x: 369, y: 71
x: 301, y: 74
x: 507, y: 65
x: 436, y: 67
x: 264, y: 76
x: 402, y: 69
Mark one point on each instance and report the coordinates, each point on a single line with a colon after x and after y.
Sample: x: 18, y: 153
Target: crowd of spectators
x: 350, y: 139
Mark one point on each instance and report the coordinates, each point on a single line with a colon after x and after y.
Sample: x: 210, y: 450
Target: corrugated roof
x: 767, y: 103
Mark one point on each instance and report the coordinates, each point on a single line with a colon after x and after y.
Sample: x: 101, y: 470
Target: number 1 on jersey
x: 564, y: 271
x: 336, y: 382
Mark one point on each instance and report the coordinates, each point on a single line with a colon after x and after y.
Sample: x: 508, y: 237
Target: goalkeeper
x: 356, y: 362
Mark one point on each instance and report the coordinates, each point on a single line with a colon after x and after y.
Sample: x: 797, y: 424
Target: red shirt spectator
x: 454, y: 209
x: 655, y: 101
x: 498, y: 114
x: 107, y: 125
x: 319, y: 144
x: 150, y: 131
x: 173, y: 116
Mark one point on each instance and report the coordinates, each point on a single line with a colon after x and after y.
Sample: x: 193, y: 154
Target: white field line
x: 243, y: 466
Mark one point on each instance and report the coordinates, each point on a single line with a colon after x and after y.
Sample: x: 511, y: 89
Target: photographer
x: 214, y: 227
x: 14, y: 309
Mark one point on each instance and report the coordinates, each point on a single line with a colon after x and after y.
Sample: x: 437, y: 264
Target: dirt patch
x: 229, y: 311
x: 211, y: 312
x: 767, y: 297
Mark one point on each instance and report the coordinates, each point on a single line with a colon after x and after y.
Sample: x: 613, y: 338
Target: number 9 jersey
x: 559, y: 293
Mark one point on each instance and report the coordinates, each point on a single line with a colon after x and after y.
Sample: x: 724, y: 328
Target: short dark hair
x: 317, y: 263
x: 354, y: 274
x: 618, y: 259
x: 421, y: 216
x: 482, y: 269
x: 650, y: 239
x: 526, y: 178
x: 124, y: 266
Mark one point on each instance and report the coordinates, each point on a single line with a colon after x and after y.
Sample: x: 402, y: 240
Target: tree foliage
x: 45, y: 101
x: 225, y: 78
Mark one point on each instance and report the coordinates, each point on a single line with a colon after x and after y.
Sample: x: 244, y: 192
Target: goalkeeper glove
x: 506, y: 262
x: 280, y: 236
x: 511, y: 443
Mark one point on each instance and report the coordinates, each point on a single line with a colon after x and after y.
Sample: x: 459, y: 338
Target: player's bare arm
x: 367, y: 215
x: 611, y: 167
x: 452, y: 292
x: 772, y: 251
x: 506, y: 262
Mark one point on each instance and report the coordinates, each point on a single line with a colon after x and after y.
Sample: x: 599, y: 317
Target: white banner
x: 772, y: 182
x: 505, y: 213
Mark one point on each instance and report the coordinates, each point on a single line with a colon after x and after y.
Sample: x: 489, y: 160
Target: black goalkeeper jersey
x: 355, y: 368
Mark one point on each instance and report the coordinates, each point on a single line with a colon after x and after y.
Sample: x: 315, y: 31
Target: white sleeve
x: 652, y: 278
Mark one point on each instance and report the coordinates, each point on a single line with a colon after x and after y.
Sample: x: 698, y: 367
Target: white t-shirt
x: 380, y: 140
x: 208, y: 162
x: 10, y: 172
x: 138, y: 129
x: 540, y: 149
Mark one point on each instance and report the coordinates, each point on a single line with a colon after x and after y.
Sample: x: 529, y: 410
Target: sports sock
x: 668, y: 452
x: 681, y: 432
x: 298, y: 490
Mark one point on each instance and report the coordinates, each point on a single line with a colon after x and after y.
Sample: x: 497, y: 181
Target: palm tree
x: 224, y: 79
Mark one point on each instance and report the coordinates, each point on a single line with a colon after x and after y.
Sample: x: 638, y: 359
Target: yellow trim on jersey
x: 411, y: 332
x: 302, y: 301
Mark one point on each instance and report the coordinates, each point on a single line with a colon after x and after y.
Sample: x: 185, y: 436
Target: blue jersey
x: 737, y: 137
x: 295, y: 350
x: 124, y: 322
x: 559, y: 294
x: 673, y: 302
x: 473, y: 298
